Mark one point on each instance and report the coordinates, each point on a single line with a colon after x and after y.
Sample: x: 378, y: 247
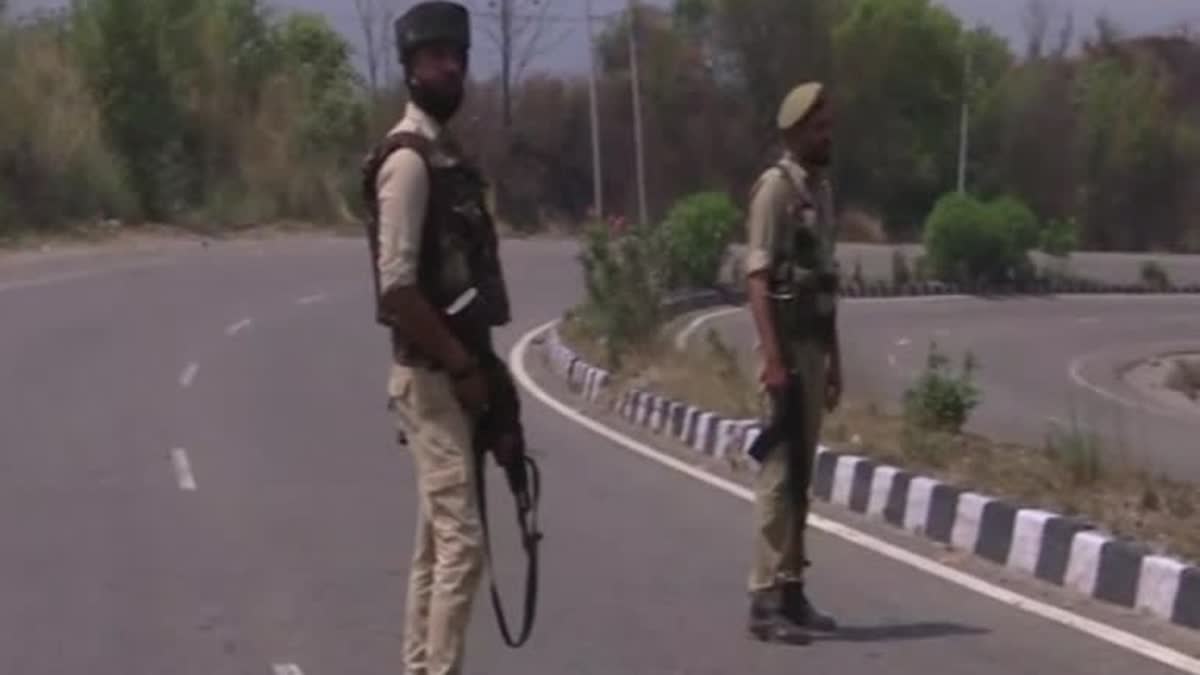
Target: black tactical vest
x: 458, y: 233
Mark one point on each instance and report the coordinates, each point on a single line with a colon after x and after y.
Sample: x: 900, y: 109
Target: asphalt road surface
x: 1043, y: 363
x: 197, y: 477
x: 1123, y: 268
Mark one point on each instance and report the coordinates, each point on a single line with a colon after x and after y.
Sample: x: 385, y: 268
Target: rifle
x: 499, y: 431
x: 787, y: 415
x: 787, y: 419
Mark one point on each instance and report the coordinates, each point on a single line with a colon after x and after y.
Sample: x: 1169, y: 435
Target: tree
x: 519, y: 37
x: 899, y: 86
x: 375, y: 19
x: 763, y: 48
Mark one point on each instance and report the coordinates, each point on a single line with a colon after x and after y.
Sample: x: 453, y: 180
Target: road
x: 198, y: 478
x: 1120, y: 268
x: 1043, y: 363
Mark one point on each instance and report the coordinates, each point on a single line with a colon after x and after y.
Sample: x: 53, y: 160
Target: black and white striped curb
x: 1064, y: 551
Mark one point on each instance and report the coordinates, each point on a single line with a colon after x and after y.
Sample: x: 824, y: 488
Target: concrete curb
x: 1064, y: 551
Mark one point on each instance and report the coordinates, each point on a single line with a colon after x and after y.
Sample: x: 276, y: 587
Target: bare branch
x: 535, y: 43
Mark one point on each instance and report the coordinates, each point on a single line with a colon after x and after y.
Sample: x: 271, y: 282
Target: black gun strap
x: 527, y: 503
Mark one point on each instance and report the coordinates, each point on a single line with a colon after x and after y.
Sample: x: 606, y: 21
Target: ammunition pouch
x: 805, y: 306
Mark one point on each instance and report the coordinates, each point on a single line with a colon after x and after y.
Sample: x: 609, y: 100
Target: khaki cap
x: 798, y: 103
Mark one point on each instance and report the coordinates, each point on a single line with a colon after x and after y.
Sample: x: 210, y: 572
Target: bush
x: 1060, y: 237
x: 940, y: 400
x: 624, y: 292
x: 969, y: 240
x: 695, y: 235
x: 1154, y: 275
x: 1078, y: 453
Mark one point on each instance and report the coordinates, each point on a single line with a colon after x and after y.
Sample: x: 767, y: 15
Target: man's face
x: 438, y: 73
x: 812, y: 140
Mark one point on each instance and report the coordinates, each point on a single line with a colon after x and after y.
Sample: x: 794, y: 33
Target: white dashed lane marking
x: 311, y: 299
x: 183, y: 470
x: 188, y: 374
x: 286, y: 669
x: 235, y: 328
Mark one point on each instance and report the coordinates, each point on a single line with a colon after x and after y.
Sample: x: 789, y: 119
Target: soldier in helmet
x: 791, y: 283
x: 439, y: 290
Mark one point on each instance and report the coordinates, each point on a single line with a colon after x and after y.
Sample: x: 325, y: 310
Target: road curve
x: 1043, y: 362
x: 199, y: 479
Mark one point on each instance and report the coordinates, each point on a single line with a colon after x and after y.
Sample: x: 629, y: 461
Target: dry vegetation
x: 1185, y: 377
x: 1071, y: 474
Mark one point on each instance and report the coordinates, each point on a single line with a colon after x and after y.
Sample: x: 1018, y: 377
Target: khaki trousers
x: 447, y: 553
x: 781, y: 488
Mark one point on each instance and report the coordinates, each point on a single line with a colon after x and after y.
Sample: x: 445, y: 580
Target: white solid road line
x: 683, y: 336
x: 1110, y: 634
x: 183, y: 470
x: 234, y: 328
x: 286, y: 669
x: 188, y: 374
x: 1075, y: 370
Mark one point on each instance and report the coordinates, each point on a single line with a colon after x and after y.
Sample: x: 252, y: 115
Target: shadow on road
x: 891, y: 632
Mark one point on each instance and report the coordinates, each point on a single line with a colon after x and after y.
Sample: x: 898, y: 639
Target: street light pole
x: 597, y: 176
x: 965, y: 124
x: 637, y: 112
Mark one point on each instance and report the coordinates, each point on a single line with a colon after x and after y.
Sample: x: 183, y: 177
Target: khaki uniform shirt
x: 786, y: 201
x: 403, y: 191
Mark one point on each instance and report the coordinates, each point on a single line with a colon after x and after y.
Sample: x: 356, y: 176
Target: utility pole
x: 965, y: 123
x: 637, y: 112
x: 506, y: 60
x: 597, y: 176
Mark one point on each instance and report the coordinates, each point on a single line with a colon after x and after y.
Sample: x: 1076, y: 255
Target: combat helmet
x: 432, y: 21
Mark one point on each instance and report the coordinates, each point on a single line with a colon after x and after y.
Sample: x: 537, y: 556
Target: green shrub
x: 1078, y: 453
x: 624, y: 291
x: 1154, y: 275
x: 941, y: 400
x: 695, y: 235
x: 969, y: 240
x: 1060, y: 237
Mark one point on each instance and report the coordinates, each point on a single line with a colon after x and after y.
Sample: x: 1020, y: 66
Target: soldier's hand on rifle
x: 833, y: 386
x: 470, y: 387
x: 774, y: 375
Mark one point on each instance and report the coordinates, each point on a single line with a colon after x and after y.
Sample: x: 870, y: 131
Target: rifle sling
x: 527, y: 504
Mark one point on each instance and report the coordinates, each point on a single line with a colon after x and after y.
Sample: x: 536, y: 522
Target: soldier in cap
x: 791, y: 283
x: 435, y: 269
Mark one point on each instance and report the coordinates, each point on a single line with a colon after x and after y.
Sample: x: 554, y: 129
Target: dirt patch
x: 1069, y: 474
x: 1171, y: 381
x: 1185, y: 377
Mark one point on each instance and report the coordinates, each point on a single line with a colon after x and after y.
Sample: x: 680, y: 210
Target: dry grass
x: 720, y: 386
x: 1070, y: 475
x: 862, y: 227
x: 1185, y: 377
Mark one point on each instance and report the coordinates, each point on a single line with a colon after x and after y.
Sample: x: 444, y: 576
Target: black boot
x: 769, y: 622
x: 797, y: 608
